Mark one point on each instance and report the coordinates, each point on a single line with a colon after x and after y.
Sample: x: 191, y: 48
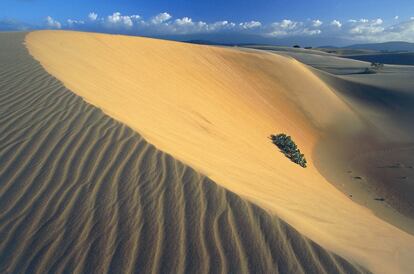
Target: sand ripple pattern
x: 83, y: 193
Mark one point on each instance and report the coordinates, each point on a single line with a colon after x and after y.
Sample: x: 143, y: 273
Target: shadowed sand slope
x: 82, y: 193
x: 404, y: 58
x: 213, y: 108
x: 376, y: 166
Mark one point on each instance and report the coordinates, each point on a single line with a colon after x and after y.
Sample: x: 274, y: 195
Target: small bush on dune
x: 377, y: 66
x: 374, y: 68
x: 288, y: 147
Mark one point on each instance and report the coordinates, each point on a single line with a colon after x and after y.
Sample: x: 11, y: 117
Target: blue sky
x: 210, y: 10
x: 326, y: 20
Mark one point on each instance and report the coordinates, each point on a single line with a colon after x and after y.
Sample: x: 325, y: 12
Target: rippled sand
x: 213, y: 109
x: 83, y: 193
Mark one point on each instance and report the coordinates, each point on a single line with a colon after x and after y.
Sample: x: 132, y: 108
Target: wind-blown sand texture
x: 83, y: 193
x: 383, y: 157
x: 213, y: 108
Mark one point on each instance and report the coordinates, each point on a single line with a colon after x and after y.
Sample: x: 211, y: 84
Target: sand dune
x: 214, y: 109
x: 83, y: 193
x: 381, y: 154
x: 400, y: 58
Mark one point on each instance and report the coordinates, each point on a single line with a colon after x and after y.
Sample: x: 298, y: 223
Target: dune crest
x: 83, y: 193
x: 214, y: 109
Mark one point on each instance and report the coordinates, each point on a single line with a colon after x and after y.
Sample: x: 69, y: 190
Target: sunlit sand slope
x: 213, y: 108
x: 381, y: 157
x: 82, y: 193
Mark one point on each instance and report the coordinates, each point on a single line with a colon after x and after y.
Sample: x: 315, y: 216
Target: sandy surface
x: 213, y: 108
x: 365, y: 164
x: 403, y: 58
x: 83, y: 193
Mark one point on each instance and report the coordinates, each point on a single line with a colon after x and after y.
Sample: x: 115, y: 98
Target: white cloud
x: 403, y: 31
x: 221, y: 25
x: 396, y: 17
x: 161, y: 18
x: 375, y: 30
x: 366, y: 27
x: 250, y: 25
x: 317, y: 23
x: 368, y: 30
x: 289, y: 27
x: 378, y: 21
x: 162, y: 24
x: 52, y: 23
x: 72, y: 23
x: 92, y: 16
x: 312, y: 31
x: 186, y: 25
x: 287, y: 24
x: 119, y: 20
x: 336, y: 23
x: 185, y: 21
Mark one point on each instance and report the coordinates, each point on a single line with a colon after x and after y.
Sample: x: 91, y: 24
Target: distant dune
x: 213, y: 109
x: 382, y: 153
x: 387, y: 46
x: 403, y: 58
x: 83, y: 193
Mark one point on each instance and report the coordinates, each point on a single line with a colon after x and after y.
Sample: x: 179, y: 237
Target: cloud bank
x: 358, y: 30
x: 52, y: 23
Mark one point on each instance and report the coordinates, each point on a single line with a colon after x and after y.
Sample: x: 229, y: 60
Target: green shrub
x: 377, y: 66
x: 288, y: 147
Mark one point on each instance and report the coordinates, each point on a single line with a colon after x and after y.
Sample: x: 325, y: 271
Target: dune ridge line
x: 213, y: 110
x: 83, y: 193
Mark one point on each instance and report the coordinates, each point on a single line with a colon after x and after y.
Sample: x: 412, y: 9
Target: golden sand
x: 83, y: 193
x: 213, y: 108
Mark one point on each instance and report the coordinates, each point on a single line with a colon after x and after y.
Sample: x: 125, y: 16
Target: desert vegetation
x: 374, y: 68
x: 377, y: 66
x: 288, y: 147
